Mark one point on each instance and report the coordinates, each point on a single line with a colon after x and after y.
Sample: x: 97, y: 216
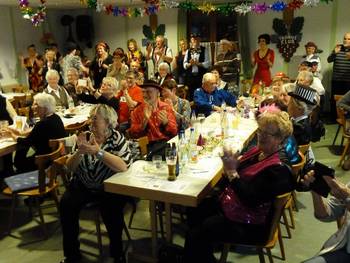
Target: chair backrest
x: 296, y: 168
x: 19, y: 101
x: 278, y: 206
x: 143, y: 141
x: 60, y: 169
x: 340, y: 112
x: 76, y: 127
x: 304, y: 148
x: 68, y: 142
x: 44, y: 162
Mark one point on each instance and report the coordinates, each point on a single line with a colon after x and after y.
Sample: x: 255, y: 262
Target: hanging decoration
x: 36, y: 16
x: 311, y: 2
x: 207, y: 8
x: 241, y: 8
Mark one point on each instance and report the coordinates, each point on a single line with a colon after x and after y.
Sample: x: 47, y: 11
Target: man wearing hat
x: 153, y: 118
x: 341, y: 71
x: 299, y: 108
x: 208, y: 98
x: 196, y: 63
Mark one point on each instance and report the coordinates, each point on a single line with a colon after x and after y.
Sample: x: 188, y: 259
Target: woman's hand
x: 230, y: 160
x: 87, y: 146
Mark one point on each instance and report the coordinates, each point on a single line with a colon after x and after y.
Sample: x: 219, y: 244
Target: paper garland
x: 36, y: 16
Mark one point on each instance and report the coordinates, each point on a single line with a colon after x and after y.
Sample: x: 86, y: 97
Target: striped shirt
x: 341, y: 66
x: 92, y: 172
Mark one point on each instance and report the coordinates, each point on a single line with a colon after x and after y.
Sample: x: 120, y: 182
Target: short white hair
x: 164, y: 65
x: 73, y: 70
x: 52, y: 72
x: 207, y: 76
x: 307, y: 75
x: 46, y: 101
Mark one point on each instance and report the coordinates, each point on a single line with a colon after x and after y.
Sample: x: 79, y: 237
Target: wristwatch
x: 347, y: 201
x: 100, y: 154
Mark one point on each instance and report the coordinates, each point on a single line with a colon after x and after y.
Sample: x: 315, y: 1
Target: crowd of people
x: 132, y: 102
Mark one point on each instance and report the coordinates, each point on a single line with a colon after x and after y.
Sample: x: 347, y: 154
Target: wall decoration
x: 36, y: 16
x: 288, y: 36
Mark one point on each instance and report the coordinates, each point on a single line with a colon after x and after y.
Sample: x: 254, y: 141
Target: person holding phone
x: 102, y: 152
x: 337, y: 247
x: 340, y: 57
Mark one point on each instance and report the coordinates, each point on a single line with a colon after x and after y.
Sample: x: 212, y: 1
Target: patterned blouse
x: 92, y: 172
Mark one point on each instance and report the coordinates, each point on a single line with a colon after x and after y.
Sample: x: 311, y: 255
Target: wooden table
x: 82, y: 114
x: 194, y: 182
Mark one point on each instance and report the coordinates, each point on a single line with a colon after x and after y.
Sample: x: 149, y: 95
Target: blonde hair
x: 111, y: 81
x: 280, y: 120
x: 107, y: 113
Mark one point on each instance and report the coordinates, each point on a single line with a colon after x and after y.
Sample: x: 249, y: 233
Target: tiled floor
x: 306, y: 240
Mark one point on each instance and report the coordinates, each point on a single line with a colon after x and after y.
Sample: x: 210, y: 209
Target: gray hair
x: 46, y: 101
x: 207, y: 76
x: 307, y: 75
x: 164, y: 65
x: 73, y: 70
x: 113, y: 82
x: 107, y: 113
x: 52, y: 72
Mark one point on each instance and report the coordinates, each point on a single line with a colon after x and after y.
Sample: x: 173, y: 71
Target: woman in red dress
x: 263, y: 58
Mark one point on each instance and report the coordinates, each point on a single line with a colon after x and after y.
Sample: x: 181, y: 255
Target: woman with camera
x: 101, y: 153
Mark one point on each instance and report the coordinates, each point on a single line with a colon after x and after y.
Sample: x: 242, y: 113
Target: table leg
x: 169, y: 237
x: 153, y: 216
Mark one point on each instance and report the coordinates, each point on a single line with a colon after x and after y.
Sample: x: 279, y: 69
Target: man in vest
x: 196, y: 63
x: 59, y: 93
x: 159, y: 53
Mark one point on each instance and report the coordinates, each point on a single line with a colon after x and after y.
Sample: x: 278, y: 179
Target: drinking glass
x: 157, y: 161
x: 201, y: 119
x: 170, y: 158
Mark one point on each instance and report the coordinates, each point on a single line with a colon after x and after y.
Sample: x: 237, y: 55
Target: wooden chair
x: 296, y: 169
x: 274, y: 235
x: 76, y: 127
x: 340, y: 119
x: 45, y: 169
x: 304, y: 148
x: 345, y: 136
x: 143, y: 142
x: 62, y: 170
x: 19, y: 101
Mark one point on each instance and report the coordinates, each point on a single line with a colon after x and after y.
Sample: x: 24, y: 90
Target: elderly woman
x: 163, y: 73
x: 181, y: 107
x: 243, y: 213
x: 217, y: 71
x: 101, y: 153
x: 60, y: 94
x: 71, y: 85
x: 118, y: 68
x: 105, y: 95
x: 50, y: 126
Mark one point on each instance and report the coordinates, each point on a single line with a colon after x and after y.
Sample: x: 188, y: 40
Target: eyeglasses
x: 263, y: 133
